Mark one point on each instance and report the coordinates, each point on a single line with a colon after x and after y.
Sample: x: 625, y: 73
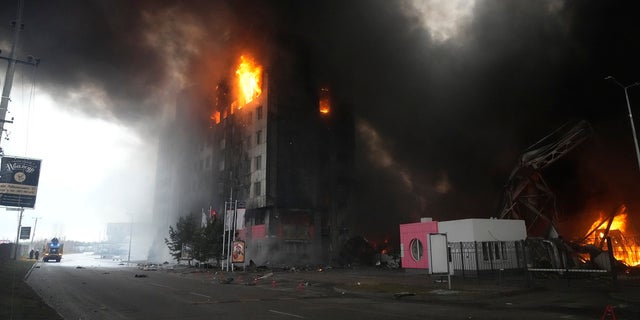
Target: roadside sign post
x: 15, y: 248
x: 19, y: 186
x: 439, y: 255
x: 25, y: 233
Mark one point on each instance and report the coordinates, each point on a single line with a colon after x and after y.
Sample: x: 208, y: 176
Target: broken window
x: 259, y: 137
x: 257, y: 189
x: 259, y: 112
x: 258, y: 162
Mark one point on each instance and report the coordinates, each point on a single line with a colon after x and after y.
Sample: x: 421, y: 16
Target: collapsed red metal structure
x: 526, y: 194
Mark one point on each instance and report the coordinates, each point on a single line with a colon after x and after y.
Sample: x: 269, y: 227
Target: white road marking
x: 200, y: 295
x: 159, y: 285
x: 287, y: 314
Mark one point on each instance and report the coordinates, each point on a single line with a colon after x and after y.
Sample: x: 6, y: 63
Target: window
x: 416, y: 249
x: 246, y: 167
x: 257, y: 189
x: 248, y: 143
x: 259, y: 218
x: 221, y: 165
x: 259, y: 137
x: 258, y: 162
x: 222, y: 143
x: 259, y: 112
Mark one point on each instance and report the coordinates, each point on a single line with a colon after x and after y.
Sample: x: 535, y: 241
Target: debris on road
x: 140, y: 275
x: 265, y: 276
x: 403, y: 294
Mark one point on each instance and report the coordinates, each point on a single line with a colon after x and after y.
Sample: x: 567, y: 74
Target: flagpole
x: 235, y: 212
x: 224, y: 235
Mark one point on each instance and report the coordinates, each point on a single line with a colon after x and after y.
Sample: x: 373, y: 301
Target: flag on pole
x: 204, y: 219
x: 212, y: 213
x: 240, y: 219
x: 228, y: 220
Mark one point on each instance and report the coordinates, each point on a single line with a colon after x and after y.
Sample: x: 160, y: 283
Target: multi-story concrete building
x: 283, y: 152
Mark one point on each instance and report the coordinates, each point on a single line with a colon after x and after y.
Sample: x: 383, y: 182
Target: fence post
x: 477, y: 262
x: 515, y: 244
x: 492, y: 253
x: 612, y: 259
x: 527, y: 274
x: 462, y: 257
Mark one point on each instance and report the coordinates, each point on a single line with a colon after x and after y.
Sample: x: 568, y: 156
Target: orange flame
x: 325, y: 105
x: 626, y: 248
x: 249, y: 76
x: 216, y: 117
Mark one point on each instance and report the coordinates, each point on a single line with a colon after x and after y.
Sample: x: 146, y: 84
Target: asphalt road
x: 84, y: 287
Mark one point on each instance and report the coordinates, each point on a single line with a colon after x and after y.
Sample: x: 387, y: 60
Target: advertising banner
x: 237, y: 255
x: 19, y: 182
x: 438, y: 253
x: 228, y: 220
x: 240, y: 219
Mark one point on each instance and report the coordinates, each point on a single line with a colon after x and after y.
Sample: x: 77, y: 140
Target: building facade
x: 281, y: 153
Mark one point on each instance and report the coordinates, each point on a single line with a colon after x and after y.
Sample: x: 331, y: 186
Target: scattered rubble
x: 148, y: 267
x: 403, y: 294
x: 226, y: 280
x: 270, y: 274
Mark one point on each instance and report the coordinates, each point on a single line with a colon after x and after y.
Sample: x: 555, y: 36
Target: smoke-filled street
x: 87, y: 287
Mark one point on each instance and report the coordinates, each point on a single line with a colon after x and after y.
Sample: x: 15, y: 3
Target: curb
x: 26, y: 276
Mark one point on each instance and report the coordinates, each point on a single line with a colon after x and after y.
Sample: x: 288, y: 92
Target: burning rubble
x: 614, y: 228
x: 610, y: 243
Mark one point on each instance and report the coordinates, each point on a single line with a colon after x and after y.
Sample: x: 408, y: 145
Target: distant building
x: 283, y: 152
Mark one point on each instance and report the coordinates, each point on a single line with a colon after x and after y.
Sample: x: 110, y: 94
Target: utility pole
x: 15, y: 248
x: 11, y: 68
x: 35, y: 225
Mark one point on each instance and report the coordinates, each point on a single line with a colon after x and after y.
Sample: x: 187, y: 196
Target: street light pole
x: 633, y: 127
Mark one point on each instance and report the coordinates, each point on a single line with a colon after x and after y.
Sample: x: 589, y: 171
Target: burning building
x: 277, y: 147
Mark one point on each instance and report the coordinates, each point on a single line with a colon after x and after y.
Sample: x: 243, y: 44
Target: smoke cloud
x: 447, y: 93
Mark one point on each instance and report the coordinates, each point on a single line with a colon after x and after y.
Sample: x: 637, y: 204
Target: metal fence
x: 477, y: 258
x: 524, y: 260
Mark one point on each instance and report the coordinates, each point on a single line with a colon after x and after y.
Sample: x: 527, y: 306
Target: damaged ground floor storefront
x: 285, y: 236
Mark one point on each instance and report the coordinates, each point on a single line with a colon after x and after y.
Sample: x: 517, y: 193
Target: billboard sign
x: 438, y: 253
x: 19, y: 181
x: 25, y: 233
x: 237, y: 255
